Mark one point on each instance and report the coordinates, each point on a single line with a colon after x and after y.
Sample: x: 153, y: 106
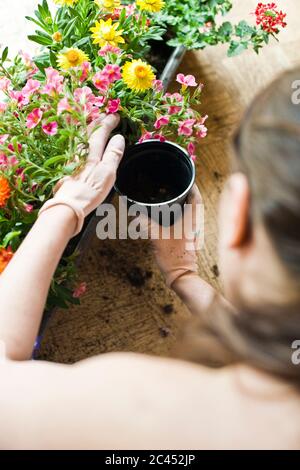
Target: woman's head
x: 259, y: 243
x: 260, y: 207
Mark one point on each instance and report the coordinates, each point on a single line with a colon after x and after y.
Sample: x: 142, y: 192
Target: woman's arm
x: 194, y: 292
x: 177, y: 258
x: 25, y: 282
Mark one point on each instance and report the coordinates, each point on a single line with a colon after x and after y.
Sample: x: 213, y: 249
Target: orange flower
x: 4, y: 191
x: 5, y: 257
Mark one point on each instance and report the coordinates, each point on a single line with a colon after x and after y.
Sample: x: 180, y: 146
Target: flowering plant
x: 194, y: 24
x: 92, y: 62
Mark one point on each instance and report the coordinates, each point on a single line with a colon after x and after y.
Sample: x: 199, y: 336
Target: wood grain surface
x: 117, y: 314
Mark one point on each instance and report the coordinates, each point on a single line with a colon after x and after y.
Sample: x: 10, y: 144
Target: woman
x: 125, y: 400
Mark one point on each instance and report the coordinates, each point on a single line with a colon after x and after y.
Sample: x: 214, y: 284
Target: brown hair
x: 267, y: 151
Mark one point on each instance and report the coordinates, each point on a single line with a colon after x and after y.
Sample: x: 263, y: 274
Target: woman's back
x: 132, y: 401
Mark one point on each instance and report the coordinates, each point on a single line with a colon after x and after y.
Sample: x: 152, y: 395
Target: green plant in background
x: 196, y: 24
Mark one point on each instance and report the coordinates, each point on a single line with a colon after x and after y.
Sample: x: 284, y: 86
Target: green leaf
x: 4, y: 55
x: 236, y: 48
x: 40, y: 39
x: 9, y: 237
x: 54, y: 160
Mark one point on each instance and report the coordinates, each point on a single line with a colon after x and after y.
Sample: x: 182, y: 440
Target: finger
x: 114, y: 153
x: 194, y: 196
x: 96, y: 123
x: 196, y: 209
x: 100, y: 136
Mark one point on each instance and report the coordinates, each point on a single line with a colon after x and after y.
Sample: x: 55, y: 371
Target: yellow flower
x: 138, y: 75
x: 104, y: 33
x: 151, y: 5
x: 108, y: 5
x: 71, y: 58
x: 68, y: 3
x: 57, y: 37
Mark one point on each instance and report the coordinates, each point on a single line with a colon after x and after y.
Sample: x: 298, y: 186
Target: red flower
x: 269, y: 17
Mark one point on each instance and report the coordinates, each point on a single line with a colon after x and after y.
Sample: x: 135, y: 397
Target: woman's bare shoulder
x: 126, y: 400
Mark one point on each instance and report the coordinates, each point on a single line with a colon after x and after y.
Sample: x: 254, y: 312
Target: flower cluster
x: 96, y: 66
x: 270, y: 18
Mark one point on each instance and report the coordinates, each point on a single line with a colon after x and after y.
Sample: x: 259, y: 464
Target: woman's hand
x: 176, y: 257
x: 86, y: 190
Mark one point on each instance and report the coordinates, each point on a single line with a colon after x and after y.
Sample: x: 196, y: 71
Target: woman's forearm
x: 194, y: 292
x: 25, y: 282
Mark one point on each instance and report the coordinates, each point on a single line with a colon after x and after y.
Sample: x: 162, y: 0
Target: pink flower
x: 191, y: 148
x: 206, y: 28
x: 31, y: 87
x: 29, y: 64
x: 159, y: 137
x: 101, y: 82
x: 3, y: 107
x: 174, y: 100
x: 12, y: 148
x: 186, y: 80
x: 3, y: 160
x: 26, y: 59
x: 112, y: 72
x: 54, y: 83
x: 162, y: 121
x: 63, y: 106
x: 145, y: 136
x: 99, y: 101
x: 28, y: 208
x: 85, y: 71
x: 50, y: 128
x: 4, y: 83
x: 109, y: 49
x: 130, y: 10
x: 177, y: 97
x: 174, y: 110
x: 18, y: 96
x: 21, y: 174
x: 33, y: 188
x: 80, y: 290
x: 158, y: 85
x: 201, y: 131
x: 93, y: 114
x: 113, y: 106
x: 152, y: 136
x: 6, y: 162
x: 203, y: 119
x: 13, y: 161
x: 3, y: 138
x: 34, y: 118
x: 85, y: 97
x: 186, y: 127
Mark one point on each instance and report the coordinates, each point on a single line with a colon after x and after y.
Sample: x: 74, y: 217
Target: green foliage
x: 196, y: 24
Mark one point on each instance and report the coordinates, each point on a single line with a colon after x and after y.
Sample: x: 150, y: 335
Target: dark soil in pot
x: 155, y: 173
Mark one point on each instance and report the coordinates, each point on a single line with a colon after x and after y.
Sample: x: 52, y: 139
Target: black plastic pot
x: 156, y: 176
